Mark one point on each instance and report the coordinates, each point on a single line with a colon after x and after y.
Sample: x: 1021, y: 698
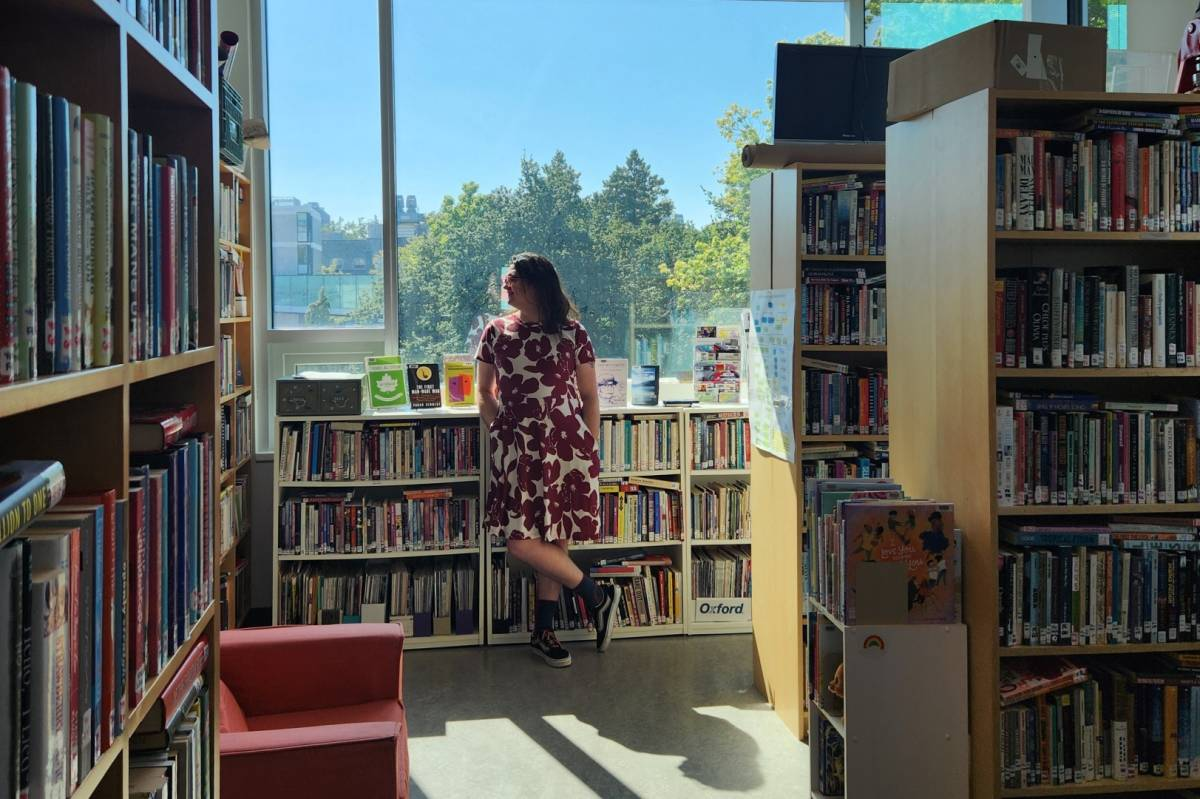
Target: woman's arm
x: 485, y: 380
x: 585, y: 375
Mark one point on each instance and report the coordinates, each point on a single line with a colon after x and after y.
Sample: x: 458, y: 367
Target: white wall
x: 1156, y: 26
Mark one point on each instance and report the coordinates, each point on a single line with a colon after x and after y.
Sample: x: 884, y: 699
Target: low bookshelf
x: 840, y: 325
x: 705, y: 462
x: 957, y: 398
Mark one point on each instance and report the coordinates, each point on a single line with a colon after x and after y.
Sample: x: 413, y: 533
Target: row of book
x: 1133, y: 580
x: 1066, y: 722
x: 173, y: 752
x: 179, y: 26
x: 164, y: 251
x: 1103, y: 180
x: 100, y: 593
x: 351, y: 450
x: 236, y: 432
x: 640, y: 509
x: 227, y: 364
x: 57, y: 267
x: 720, y: 441
x: 841, y: 400
x: 843, y: 215
x: 639, y: 443
x: 429, y: 519
x: 876, y: 558
x: 720, y: 511
x: 1079, y: 450
x: 648, y: 590
x: 842, y: 461
x: 234, y: 595
x: 232, y: 299
x: 1115, y: 317
x: 830, y: 779
x: 842, y: 305
x: 235, y: 512
x: 720, y: 572
x: 229, y: 206
x: 435, y: 597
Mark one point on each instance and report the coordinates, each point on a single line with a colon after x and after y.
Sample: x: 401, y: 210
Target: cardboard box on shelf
x: 997, y: 55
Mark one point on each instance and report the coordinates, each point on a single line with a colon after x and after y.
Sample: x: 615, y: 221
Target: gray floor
x: 668, y: 717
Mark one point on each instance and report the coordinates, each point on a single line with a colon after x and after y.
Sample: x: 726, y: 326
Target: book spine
x: 8, y: 275
x: 25, y: 231
x: 102, y: 246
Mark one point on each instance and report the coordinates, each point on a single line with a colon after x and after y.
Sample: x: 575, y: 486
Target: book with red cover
x: 1025, y: 678
x: 171, y: 701
x: 108, y: 704
x: 155, y: 618
x: 8, y: 283
x: 155, y: 429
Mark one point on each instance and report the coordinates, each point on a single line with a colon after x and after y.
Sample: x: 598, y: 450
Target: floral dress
x: 544, y: 463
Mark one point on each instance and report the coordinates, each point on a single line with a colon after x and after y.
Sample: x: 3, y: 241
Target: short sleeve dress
x: 544, y: 463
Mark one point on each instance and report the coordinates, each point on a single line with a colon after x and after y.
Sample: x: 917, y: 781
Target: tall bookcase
x: 686, y: 476
x: 96, y: 55
x: 236, y: 308
x: 777, y: 261
x: 943, y: 255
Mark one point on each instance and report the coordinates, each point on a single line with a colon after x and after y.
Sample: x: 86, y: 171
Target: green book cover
x: 385, y: 381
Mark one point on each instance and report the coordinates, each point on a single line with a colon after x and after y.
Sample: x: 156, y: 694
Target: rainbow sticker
x: 874, y: 642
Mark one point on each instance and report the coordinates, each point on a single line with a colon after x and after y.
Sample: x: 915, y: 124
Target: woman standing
x: 537, y: 393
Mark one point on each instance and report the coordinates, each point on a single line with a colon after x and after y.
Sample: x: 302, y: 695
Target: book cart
x: 485, y: 553
x: 778, y: 258
x: 95, y: 54
x: 944, y: 255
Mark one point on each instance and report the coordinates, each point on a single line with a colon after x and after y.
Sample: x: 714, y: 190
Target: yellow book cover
x: 460, y: 381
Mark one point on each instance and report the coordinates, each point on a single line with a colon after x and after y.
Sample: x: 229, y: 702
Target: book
x: 25, y: 227
x: 644, y: 383
x: 14, y: 733
x: 155, y: 429
x: 28, y: 489
x: 173, y: 701
x: 460, y: 380
x: 898, y: 556
x: 717, y: 364
x: 386, y: 383
x: 424, y: 385
x: 1025, y: 678
x: 612, y: 375
x: 8, y: 271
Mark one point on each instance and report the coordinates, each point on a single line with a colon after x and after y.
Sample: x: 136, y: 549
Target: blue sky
x: 482, y: 82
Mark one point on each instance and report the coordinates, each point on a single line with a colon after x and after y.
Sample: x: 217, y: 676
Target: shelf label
x: 721, y: 609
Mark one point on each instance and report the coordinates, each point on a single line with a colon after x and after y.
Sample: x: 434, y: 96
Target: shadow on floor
x: 640, y: 694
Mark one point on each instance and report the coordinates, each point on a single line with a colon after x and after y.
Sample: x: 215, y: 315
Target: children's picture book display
x: 386, y: 381
x: 612, y: 375
x: 460, y: 380
x: 717, y: 363
x: 644, y: 383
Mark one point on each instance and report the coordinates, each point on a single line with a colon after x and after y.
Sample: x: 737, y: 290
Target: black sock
x: 591, y: 593
x: 543, y: 615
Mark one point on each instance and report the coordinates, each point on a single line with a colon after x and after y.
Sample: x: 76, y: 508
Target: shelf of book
x: 583, y: 546
x: 719, y: 542
x: 233, y: 245
x: 782, y: 240
x: 410, y: 553
x: 1097, y: 510
x: 42, y: 392
x: 824, y: 611
x: 640, y: 473
x: 1108, y: 787
x: 837, y: 721
x: 164, y: 77
x: 947, y: 254
x: 702, y: 473
x: 236, y: 320
x: 411, y: 481
x: 241, y: 392
x: 235, y: 173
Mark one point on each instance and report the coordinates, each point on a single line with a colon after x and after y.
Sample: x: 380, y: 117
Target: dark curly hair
x: 539, y: 275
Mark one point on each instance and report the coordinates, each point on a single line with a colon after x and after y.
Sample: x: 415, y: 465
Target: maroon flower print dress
x: 544, y: 462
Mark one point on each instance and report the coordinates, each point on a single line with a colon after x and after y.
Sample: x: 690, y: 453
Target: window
x: 612, y: 149
x: 1113, y: 16
x: 917, y: 23
x: 326, y: 163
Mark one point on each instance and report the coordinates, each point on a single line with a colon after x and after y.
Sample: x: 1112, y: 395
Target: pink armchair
x: 313, y: 712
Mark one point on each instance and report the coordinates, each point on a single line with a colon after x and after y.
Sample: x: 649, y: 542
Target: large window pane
x: 917, y: 23
x: 1112, y: 15
x: 603, y: 133
x: 326, y: 173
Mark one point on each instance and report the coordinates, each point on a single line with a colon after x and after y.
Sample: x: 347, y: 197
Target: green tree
x: 318, y: 312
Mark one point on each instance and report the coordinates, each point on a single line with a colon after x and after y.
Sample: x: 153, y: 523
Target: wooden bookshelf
x: 237, y: 322
x: 681, y: 549
x: 93, y: 53
x: 777, y: 261
x: 945, y: 252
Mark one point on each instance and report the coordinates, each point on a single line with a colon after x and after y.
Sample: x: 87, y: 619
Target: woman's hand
x: 485, y: 380
x: 589, y: 392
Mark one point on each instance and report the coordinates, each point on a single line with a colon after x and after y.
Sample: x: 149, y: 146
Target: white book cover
x: 612, y: 377
x: 1159, y: 351
x: 1110, y: 326
x: 1122, y: 351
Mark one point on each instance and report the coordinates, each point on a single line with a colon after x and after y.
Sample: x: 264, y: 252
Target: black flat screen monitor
x: 831, y: 94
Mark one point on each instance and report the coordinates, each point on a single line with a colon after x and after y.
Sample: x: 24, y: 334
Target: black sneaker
x: 606, y: 617
x: 546, y: 644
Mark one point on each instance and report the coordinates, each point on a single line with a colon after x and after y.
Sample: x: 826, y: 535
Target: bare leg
x: 549, y: 560
x: 547, y: 587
